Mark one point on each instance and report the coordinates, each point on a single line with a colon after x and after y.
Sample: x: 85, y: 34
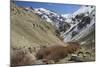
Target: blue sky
x: 59, y: 8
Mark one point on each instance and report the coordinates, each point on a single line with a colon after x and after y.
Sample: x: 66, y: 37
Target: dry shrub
x: 56, y: 53
x: 22, y: 57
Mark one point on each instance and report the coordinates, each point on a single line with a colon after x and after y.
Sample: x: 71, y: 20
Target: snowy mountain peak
x: 42, y: 9
x: 66, y: 15
x: 85, y: 9
x: 49, y: 16
x: 84, y: 19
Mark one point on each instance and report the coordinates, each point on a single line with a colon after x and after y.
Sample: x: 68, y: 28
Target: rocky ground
x: 29, y: 33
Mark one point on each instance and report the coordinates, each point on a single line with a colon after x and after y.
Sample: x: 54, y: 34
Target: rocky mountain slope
x: 71, y: 27
x: 84, y: 24
x: 52, y: 17
x: 28, y: 29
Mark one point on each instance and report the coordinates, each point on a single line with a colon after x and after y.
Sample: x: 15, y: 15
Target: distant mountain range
x: 71, y: 27
x: 48, y: 15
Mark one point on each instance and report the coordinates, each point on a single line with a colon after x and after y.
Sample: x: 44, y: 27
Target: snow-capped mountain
x: 68, y: 18
x: 70, y: 26
x: 48, y: 15
x: 84, y: 20
x: 66, y: 15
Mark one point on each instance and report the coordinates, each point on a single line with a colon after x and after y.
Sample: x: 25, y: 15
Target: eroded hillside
x: 28, y: 29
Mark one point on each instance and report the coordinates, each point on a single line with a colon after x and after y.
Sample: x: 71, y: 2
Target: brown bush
x: 22, y: 57
x: 57, y: 52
